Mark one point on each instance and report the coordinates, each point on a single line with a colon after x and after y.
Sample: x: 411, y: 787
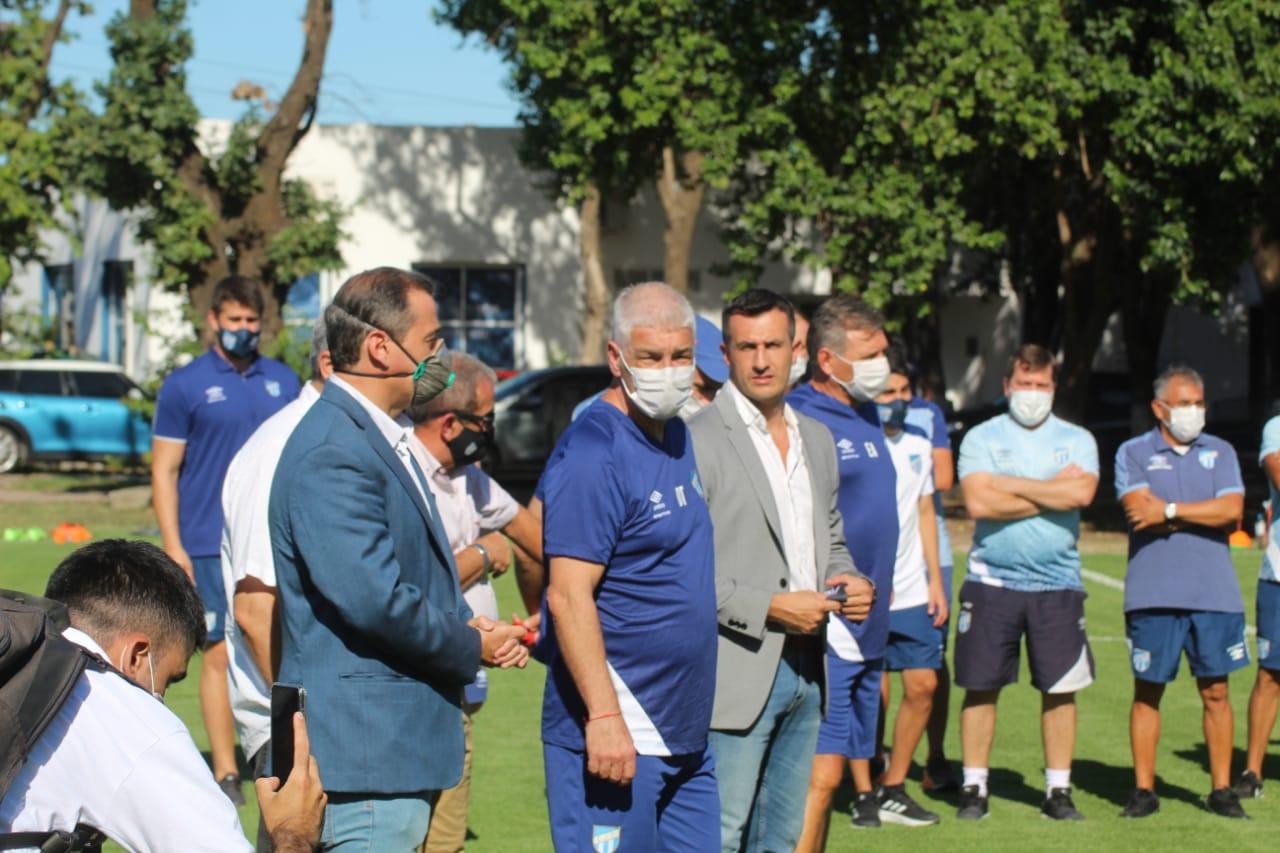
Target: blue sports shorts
x: 1213, y: 641
x: 853, y: 708
x: 913, y: 641
x: 1269, y: 625
x: 213, y: 594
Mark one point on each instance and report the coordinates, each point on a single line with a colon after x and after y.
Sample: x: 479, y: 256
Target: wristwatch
x: 1170, y: 511
x: 484, y: 554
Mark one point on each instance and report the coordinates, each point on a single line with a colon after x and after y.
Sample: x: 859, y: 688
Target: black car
x: 531, y: 411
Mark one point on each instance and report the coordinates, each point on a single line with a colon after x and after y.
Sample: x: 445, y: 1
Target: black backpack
x: 38, y: 669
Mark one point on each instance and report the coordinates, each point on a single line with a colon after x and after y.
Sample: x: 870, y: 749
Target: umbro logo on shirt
x: 1158, y: 462
x: 847, y: 449
x: 214, y: 394
x: 655, y: 498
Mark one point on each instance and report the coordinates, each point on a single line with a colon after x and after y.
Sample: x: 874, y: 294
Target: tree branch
x: 293, y: 118
x: 32, y: 108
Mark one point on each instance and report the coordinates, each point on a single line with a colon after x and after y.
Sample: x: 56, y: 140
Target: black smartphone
x: 286, y: 700
x: 839, y: 593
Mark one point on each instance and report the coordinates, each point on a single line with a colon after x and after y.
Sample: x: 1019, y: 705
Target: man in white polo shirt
x: 454, y: 430
x: 248, y: 572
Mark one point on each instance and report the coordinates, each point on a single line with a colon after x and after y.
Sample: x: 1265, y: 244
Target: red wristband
x: 604, y: 715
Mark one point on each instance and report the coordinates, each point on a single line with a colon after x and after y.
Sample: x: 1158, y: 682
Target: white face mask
x: 1030, y: 408
x: 798, y: 367
x: 1185, y: 423
x: 870, y: 377
x: 151, y: 669
x: 690, y: 408
x: 660, y: 391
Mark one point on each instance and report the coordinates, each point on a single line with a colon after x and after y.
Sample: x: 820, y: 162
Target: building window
x: 116, y: 278
x: 58, y: 305
x: 303, y: 302
x: 481, y: 307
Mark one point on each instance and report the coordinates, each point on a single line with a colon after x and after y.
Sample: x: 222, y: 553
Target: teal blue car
x: 61, y: 409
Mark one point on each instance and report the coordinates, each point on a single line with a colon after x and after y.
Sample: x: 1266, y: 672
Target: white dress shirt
x: 471, y: 504
x: 397, y: 431
x: 246, y: 553
x: 115, y: 758
x: 791, y: 487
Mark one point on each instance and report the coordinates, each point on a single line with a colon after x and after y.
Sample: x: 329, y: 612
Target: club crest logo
x: 964, y: 621
x: 1208, y: 458
x: 606, y: 839
x: 1141, y: 660
x: 1264, y: 648
x: 916, y: 462
x: 697, y: 484
x: 214, y: 394
x: 1061, y: 455
x: 273, y: 387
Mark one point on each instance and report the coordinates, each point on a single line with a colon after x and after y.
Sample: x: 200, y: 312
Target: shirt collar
x: 395, y: 430
x: 223, y: 366
x: 752, y: 416
x: 84, y: 641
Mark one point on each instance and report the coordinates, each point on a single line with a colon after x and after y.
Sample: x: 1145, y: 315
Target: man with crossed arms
x: 771, y: 486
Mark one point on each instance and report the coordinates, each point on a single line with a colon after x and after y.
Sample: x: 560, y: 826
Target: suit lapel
x: 750, y: 459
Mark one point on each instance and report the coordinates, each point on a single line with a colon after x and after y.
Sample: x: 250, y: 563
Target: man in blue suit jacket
x: 373, y: 623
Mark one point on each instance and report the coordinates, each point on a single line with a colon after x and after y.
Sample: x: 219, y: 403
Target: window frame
x: 465, y: 324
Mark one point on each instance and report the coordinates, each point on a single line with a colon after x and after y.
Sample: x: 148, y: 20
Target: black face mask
x: 469, y: 444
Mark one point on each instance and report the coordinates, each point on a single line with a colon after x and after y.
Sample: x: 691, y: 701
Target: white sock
x: 976, y: 776
x: 1057, y: 779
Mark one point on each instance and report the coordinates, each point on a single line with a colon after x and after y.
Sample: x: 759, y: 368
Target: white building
x: 457, y: 202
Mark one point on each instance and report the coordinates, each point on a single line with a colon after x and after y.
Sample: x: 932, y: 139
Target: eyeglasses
x: 486, y: 421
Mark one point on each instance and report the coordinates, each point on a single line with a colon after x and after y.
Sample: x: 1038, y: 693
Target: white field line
x: 1112, y: 583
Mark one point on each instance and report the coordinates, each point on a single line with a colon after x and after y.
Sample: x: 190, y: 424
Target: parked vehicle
x: 64, y: 409
x: 531, y: 411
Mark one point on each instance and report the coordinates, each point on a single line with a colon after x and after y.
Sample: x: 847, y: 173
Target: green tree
x: 33, y: 129
x: 204, y: 213
x: 620, y: 95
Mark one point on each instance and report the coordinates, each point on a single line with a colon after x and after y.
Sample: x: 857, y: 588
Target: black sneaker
x: 1248, y: 786
x: 866, y: 811
x: 897, y: 807
x: 1057, y: 805
x: 230, y: 785
x: 1224, y: 803
x: 1143, y: 802
x: 973, y: 806
x: 939, y: 777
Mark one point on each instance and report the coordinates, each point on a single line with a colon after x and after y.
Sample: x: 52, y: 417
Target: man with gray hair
x: 248, y: 572
x: 1182, y: 493
x: 631, y: 602
x: 484, y: 525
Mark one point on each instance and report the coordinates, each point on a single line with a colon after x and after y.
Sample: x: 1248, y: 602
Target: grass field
x: 508, y: 806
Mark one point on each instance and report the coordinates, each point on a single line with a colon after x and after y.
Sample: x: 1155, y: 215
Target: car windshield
x: 513, y: 386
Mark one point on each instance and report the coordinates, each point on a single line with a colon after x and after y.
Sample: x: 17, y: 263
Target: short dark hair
x: 373, y: 299
x: 835, y: 318
x: 117, y: 585
x: 897, y: 356
x: 753, y: 303
x: 1032, y: 357
x: 237, y: 288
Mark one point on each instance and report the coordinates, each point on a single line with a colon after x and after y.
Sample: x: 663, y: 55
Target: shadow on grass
x: 1114, y: 783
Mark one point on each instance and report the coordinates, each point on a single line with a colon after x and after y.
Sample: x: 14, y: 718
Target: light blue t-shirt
x: 928, y: 418
x: 1271, y: 560
x: 1038, y: 553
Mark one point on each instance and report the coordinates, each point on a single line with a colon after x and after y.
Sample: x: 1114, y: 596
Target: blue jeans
x: 365, y: 823
x: 763, y: 771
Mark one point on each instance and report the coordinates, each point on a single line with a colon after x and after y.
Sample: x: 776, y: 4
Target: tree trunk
x: 1146, y: 307
x: 596, y: 296
x: 1089, y: 301
x: 680, y: 188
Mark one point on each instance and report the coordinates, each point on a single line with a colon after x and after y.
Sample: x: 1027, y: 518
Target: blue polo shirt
x: 213, y: 409
x: 1271, y: 559
x: 1039, y: 553
x: 929, y: 419
x: 1189, y: 569
x: 613, y: 496
x: 868, y: 503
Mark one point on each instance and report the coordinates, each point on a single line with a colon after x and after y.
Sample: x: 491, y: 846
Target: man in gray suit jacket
x: 781, y: 567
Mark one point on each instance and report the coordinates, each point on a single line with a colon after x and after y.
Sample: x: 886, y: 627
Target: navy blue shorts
x: 1269, y: 625
x: 991, y: 623
x: 913, y: 641
x: 671, y: 804
x: 853, y: 708
x: 213, y: 594
x: 1214, y: 643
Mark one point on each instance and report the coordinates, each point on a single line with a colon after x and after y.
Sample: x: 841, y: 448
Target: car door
x: 105, y: 425
x: 44, y: 410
